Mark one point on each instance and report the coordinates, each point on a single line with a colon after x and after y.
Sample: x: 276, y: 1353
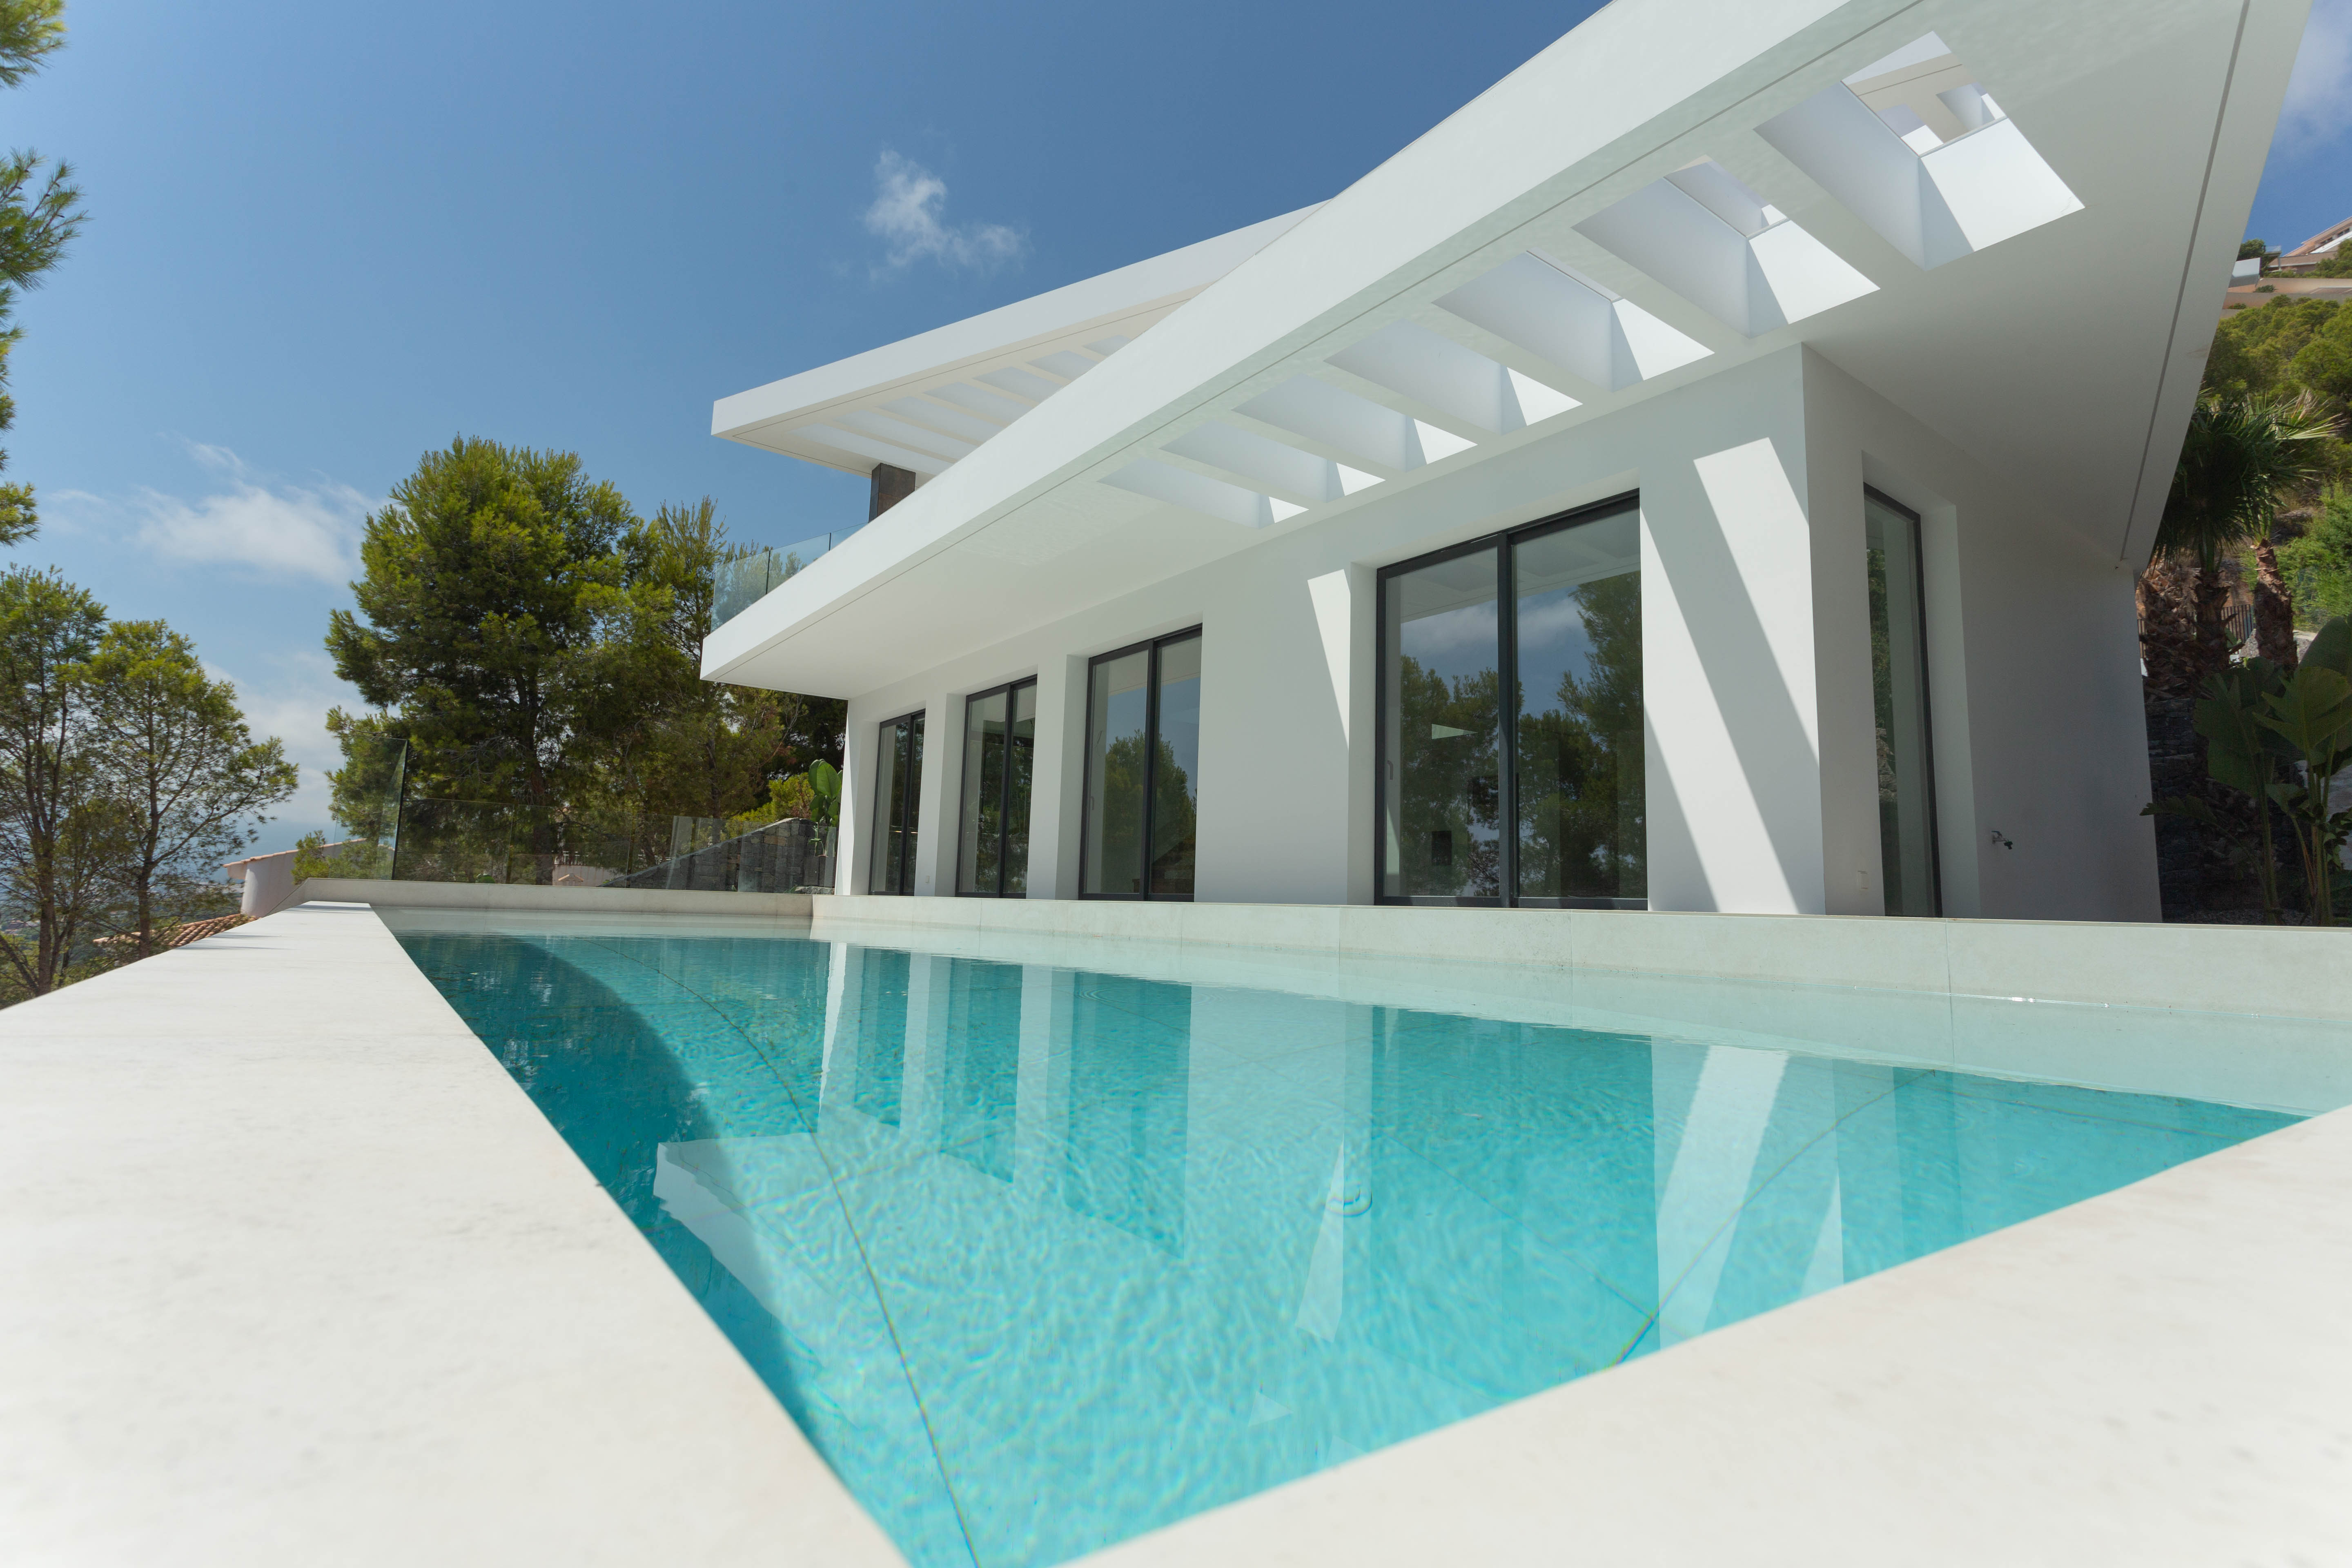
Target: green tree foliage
x: 2318, y: 567
x: 1581, y: 762
x: 40, y: 212
x: 674, y: 742
x: 60, y: 830
x: 530, y: 651
x: 2278, y: 738
x: 2240, y: 451
x: 1449, y: 787
x: 127, y: 775
x: 1121, y: 834
x: 2288, y: 347
x: 185, y: 771
x: 491, y: 582
x: 365, y: 791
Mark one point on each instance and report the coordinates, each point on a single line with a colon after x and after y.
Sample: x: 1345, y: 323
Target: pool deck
x: 293, y: 1272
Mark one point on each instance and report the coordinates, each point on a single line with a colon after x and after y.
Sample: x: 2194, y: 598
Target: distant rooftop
x: 2321, y: 246
x: 2325, y: 241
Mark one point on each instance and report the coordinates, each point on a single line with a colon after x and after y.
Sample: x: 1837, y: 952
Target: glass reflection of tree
x: 1581, y: 829
x: 1881, y: 693
x: 1122, y: 810
x: 1448, y: 804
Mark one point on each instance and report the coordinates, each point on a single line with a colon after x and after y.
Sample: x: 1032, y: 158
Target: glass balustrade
x: 739, y: 584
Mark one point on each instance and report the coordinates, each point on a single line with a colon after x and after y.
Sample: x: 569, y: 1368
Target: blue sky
x: 324, y: 239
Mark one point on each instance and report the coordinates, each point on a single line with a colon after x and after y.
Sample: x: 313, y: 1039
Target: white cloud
x: 909, y: 202
x: 2319, y: 107
x: 278, y: 529
x: 290, y: 702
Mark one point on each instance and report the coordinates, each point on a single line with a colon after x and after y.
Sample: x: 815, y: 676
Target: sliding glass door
x: 1000, y: 745
x: 1441, y: 632
x: 1898, y: 680
x: 1143, y: 760
x: 1511, y: 748
x: 897, y: 793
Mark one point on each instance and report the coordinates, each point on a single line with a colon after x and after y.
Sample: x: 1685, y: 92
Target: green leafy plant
x: 2240, y: 452
x: 824, y: 786
x: 2280, y: 737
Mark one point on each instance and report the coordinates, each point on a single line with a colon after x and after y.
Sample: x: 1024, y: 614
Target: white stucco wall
x: 1761, y: 749
x: 2033, y: 668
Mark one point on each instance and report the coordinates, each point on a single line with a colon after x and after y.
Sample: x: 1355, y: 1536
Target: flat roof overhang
x: 924, y: 402
x: 1672, y: 189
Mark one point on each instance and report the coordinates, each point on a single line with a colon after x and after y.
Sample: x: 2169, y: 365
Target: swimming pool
x: 1041, y: 1258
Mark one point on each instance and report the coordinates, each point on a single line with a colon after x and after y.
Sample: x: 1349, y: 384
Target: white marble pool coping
x: 293, y: 1272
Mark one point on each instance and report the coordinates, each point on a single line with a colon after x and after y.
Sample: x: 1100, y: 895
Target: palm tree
x: 2239, y: 453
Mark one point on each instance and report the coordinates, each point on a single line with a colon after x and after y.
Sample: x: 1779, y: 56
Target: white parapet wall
x: 2289, y: 972
x: 534, y: 896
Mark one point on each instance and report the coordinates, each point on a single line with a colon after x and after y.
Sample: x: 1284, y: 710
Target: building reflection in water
x: 1044, y: 1259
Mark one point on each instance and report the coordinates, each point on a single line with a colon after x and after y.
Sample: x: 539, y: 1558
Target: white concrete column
x: 854, y: 842
x: 1058, y: 780
x: 1852, y: 877
x: 1729, y: 690
x: 935, y: 841
x: 1279, y: 820
x: 268, y: 882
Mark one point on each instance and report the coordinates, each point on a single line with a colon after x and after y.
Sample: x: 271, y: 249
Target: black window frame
x: 1151, y: 767
x: 1507, y: 658
x: 913, y: 812
x: 1004, y: 814
x: 1871, y: 492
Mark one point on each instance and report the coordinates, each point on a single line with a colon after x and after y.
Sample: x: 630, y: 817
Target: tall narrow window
x: 1898, y: 682
x: 1000, y: 744
x: 1511, y: 739
x: 1143, y: 759
x: 898, y: 793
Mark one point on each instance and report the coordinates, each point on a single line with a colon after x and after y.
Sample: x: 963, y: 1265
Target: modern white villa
x: 1694, y: 476
x: 1707, y: 475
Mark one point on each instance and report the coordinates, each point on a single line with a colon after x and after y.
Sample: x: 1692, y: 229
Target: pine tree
x: 40, y: 214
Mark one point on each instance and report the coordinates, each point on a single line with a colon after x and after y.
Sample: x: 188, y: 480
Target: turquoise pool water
x: 1043, y: 1258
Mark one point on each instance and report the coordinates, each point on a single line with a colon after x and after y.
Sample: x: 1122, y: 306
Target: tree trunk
x: 2273, y: 610
x: 2167, y: 628
x: 2212, y: 601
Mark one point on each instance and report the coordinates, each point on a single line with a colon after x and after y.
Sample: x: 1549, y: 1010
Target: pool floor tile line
x: 2158, y: 1375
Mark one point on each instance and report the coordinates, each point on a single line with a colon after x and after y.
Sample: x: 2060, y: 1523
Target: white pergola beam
x: 1161, y: 481
x: 1380, y: 436
x: 867, y: 447
x: 1281, y: 469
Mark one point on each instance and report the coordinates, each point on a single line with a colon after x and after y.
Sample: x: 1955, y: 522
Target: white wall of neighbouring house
x: 1762, y: 754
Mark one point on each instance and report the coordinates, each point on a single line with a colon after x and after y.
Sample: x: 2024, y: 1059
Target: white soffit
x: 1677, y: 187
x: 926, y: 401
